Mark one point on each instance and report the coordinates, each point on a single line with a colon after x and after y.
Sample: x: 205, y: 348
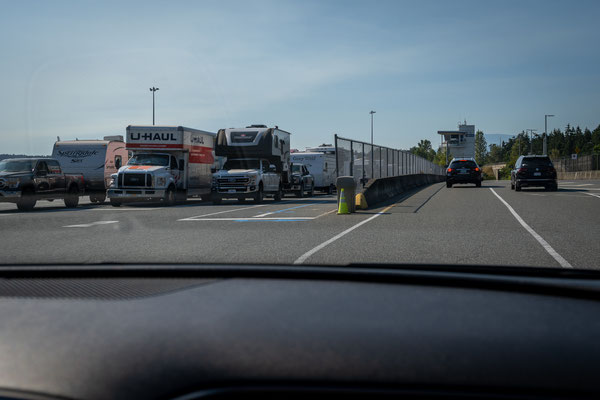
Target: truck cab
x: 241, y: 178
x: 301, y: 182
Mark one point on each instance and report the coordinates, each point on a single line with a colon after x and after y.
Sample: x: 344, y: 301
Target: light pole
x: 531, y: 139
x: 153, y: 89
x: 545, y: 148
x: 372, y: 112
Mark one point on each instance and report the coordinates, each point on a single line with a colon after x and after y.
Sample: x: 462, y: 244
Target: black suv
x: 463, y: 170
x: 533, y: 171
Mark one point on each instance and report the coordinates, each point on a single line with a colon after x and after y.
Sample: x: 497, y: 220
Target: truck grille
x: 233, y: 182
x: 134, y: 180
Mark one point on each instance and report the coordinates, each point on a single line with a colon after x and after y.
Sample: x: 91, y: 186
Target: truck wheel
x: 311, y: 193
x: 27, y: 201
x: 216, y: 199
x: 300, y: 193
x: 115, y: 203
x: 330, y: 189
x: 181, y: 197
x: 169, y: 199
x: 279, y: 195
x: 258, y: 197
x: 72, y: 197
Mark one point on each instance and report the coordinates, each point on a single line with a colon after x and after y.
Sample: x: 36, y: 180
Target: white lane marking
x: 563, y: 263
x: 286, y: 209
x: 126, y: 209
x: 309, y: 253
x: 251, y: 219
x: 220, y: 212
x: 90, y: 224
x: 594, y: 194
x: 325, y: 213
x: 579, y: 185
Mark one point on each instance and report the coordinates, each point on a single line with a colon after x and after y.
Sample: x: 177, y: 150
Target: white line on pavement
x: 309, y: 253
x: 127, y: 209
x: 90, y: 224
x: 220, y: 212
x: 563, y: 263
x: 251, y: 219
x: 594, y: 194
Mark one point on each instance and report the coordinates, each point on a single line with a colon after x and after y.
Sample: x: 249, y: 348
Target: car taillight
x: 449, y: 169
x: 522, y: 169
x: 476, y: 169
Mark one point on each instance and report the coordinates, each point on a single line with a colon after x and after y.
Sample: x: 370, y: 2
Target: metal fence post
x: 351, y: 158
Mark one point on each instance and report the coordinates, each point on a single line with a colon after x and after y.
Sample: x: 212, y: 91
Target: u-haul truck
x: 167, y: 163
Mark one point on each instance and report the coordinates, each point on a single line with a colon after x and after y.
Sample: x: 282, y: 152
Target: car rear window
x: 537, y: 162
x: 463, y: 164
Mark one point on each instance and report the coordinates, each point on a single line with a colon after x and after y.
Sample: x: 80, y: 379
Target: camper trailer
x: 96, y: 160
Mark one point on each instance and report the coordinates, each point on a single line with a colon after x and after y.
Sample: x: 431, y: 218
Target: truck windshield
x: 17, y: 165
x: 297, y: 169
x: 242, y: 164
x: 161, y: 160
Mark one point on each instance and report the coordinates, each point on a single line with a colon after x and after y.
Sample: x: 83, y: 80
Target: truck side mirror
x: 213, y: 170
x: 272, y: 168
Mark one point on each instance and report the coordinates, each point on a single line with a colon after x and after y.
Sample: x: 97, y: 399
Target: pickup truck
x: 242, y: 178
x: 24, y: 181
x: 301, y: 181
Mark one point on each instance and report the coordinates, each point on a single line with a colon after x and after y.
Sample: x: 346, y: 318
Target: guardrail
x: 364, y: 161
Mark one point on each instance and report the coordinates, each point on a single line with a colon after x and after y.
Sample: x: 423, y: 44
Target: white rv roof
x: 87, y: 142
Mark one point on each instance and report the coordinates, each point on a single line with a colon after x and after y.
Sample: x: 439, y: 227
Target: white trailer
x: 321, y: 165
x: 167, y: 162
x: 96, y: 160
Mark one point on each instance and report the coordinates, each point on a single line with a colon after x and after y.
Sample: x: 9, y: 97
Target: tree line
x: 560, y: 143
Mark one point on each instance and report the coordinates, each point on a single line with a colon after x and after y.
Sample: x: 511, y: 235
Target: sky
x: 83, y: 69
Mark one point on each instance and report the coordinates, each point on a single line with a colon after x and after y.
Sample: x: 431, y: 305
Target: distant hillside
x: 4, y: 156
x: 497, y: 138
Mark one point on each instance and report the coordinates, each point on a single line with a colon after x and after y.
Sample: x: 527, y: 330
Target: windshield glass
x: 537, y: 162
x: 242, y: 164
x: 463, y: 164
x: 149, y: 159
x: 296, y: 168
x: 17, y: 165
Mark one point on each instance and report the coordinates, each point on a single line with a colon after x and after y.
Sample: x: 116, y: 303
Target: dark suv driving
x: 533, y: 171
x: 463, y: 170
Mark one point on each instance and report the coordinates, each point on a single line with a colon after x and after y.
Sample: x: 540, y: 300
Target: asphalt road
x: 433, y: 224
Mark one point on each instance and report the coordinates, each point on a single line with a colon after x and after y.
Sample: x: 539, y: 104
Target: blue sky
x: 83, y: 68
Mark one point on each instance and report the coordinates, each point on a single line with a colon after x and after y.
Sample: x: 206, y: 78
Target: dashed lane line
x: 90, y: 224
x: 563, y: 263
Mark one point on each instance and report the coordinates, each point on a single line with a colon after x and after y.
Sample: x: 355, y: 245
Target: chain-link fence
x: 364, y: 162
x: 582, y: 163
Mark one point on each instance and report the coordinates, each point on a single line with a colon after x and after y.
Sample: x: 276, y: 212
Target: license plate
x: 537, y: 174
x: 231, y: 191
x: 464, y: 171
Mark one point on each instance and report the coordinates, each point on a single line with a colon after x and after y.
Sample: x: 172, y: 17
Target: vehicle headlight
x: 161, y: 181
x: 13, y: 183
x: 252, y: 180
x: 111, y: 182
x: 296, y: 179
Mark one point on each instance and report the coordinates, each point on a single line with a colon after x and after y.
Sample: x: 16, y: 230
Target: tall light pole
x: 153, y: 89
x: 531, y: 139
x: 372, y: 112
x: 545, y: 148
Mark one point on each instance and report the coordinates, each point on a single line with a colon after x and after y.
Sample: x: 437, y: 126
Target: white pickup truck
x: 247, y: 177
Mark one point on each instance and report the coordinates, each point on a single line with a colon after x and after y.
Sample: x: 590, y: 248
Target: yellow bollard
x: 343, y: 206
x: 361, y: 202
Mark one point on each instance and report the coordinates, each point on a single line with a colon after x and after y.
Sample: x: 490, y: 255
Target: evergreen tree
x: 480, y: 148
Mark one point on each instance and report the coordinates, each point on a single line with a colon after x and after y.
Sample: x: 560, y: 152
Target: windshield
x: 17, y: 165
x: 208, y: 102
x: 149, y: 159
x: 242, y: 164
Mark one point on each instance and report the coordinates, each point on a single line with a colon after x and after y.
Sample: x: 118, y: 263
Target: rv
x: 258, y: 163
x: 320, y: 162
x: 168, y: 163
x: 96, y: 160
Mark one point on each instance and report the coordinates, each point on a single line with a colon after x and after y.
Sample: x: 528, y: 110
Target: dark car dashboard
x: 296, y: 332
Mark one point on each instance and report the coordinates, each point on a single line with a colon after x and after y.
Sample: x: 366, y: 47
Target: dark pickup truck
x: 24, y: 181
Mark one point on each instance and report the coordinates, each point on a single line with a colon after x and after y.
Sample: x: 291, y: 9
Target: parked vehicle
x: 533, y: 171
x: 24, y: 181
x: 320, y: 162
x: 97, y: 160
x: 463, y: 170
x: 301, y: 181
x: 258, y: 163
x: 168, y: 163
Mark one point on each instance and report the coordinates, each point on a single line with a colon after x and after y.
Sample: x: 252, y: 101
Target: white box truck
x: 96, y: 160
x: 320, y: 162
x: 168, y: 163
x: 258, y: 163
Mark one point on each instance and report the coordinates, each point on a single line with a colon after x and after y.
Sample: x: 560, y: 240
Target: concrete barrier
x: 378, y: 190
x: 567, y: 176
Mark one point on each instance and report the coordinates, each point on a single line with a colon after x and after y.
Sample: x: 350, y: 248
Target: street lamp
x: 372, y: 112
x: 545, y: 149
x: 531, y: 133
x: 153, y: 89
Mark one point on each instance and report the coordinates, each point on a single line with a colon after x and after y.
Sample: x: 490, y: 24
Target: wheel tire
x: 330, y: 189
x: 300, y: 193
x: 448, y: 185
x: 180, y: 197
x: 554, y: 188
x: 27, y: 201
x: 517, y: 187
x: 279, y: 195
x: 311, y: 193
x: 216, y: 199
x: 258, y: 197
x: 169, y: 199
x: 512, y: 186
x: 72, y: 198
x: 478, y: 184
x: 115, y: 203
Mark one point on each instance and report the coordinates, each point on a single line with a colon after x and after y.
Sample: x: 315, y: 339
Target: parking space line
x: 286, y: 209
x: 90, y: 224
x: 563, y: 263
x: 220, y: 212
x: 593, y: 194
x: 249, y: 219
